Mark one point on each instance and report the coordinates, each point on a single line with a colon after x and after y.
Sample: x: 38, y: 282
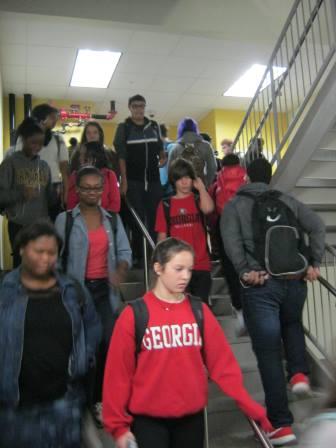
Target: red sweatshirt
x: 169, y: 378
x: 110, y: 197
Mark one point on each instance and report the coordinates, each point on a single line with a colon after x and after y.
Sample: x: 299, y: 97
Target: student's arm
x: 9, y: 192
x: 205, y: 202
x: 114, y: 193
x: 72, y: 199
x: 64, y: 170
x: 161, y: 236
x: 160, y: 223
x: 119, y: 371
x: 211, y: 165
x: 224, y: 370
x: 120, y: 146
x: 64, y: 167
x: 123, y: 254
x: 163, y: 158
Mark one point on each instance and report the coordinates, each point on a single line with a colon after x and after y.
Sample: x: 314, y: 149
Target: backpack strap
x: 197, y: 309
x: 58, y: 144
x: 166, y: 210
x: 68, y: 227
x: 141, y: 317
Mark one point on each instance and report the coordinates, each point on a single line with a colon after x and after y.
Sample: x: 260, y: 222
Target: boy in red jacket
x: 186, y: 212
x: 158, y: 395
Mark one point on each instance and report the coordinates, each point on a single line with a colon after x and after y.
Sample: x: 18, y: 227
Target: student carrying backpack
x: 191, y: 146
x: 261, y: 230
x: 156, y: 375
x: 182, y: 216
x: 278, y: 240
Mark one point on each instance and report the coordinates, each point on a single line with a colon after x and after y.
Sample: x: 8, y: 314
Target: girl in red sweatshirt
x: 158, y: 395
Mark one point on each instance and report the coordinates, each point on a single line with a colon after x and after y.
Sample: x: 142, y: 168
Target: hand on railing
x: 312, y: 274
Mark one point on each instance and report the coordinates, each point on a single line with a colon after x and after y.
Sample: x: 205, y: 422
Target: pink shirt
x: 96, y: 266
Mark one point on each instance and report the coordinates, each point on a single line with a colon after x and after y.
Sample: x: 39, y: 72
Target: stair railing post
x: 275, y: 113
x: 146, y: 267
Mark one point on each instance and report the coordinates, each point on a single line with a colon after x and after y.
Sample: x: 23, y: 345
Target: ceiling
x: 180, y: 54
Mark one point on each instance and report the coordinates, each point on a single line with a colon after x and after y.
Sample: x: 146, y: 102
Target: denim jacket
x: 119, y: 248
x: 86, y: 332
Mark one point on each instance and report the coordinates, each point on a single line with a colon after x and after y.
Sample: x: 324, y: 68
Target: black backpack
x: 278, y: 239
x: 141, y: 317
x: 68, y: 226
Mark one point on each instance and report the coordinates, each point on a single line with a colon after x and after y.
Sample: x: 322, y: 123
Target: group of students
x: 63, y: 344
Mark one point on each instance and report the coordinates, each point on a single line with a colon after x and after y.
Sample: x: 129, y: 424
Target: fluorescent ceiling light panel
x: 246, y: 85
x: 94, y: 68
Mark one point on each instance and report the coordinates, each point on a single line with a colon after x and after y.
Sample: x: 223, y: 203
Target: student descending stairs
x: 227, y: 426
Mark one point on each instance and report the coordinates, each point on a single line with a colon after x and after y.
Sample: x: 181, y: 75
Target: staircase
x: 317, y: 184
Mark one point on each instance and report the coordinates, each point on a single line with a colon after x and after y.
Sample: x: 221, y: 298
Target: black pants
x: 184, y: 432
x: 13, y: 230
x: 55, y: 202
x: 99, y: 290
x: 200, y: 285
x: 145, y: 204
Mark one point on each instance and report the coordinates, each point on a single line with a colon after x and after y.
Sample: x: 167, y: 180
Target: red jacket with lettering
x: 169, y: 378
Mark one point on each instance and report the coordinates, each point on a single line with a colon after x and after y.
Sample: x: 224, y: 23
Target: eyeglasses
x: 91, y: 189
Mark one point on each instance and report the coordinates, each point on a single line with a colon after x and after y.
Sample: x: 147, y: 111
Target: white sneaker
x: 97, y: 414
x: 240, y: 327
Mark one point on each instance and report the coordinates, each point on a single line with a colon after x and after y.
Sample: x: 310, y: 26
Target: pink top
x: 96, y: 266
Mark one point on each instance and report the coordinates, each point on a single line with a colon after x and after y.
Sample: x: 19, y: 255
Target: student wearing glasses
x: 98, y: 255
x: 93, y: 154
x: 140, y: 150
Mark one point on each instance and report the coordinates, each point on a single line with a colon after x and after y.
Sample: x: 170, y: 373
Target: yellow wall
x: 220, y: 124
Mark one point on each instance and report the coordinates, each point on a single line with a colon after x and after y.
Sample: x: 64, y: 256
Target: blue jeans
x: 273, y: 314
x: 48, y: 425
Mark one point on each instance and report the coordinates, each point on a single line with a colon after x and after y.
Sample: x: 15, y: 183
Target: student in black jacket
x: 140, y: 150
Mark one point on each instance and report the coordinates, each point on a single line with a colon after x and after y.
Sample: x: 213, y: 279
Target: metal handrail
x: 274, y: 111
x: 263, y: 439
x: 147, y: 239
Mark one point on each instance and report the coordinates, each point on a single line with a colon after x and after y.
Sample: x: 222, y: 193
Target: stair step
x: 324, y: 155
x: 228, y: 323
x: 219, y: 286
x: 313, y: 182
x: 221, y: 305
x: 322, y: 207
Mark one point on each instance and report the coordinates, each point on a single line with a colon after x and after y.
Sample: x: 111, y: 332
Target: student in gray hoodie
x: 25, y: 183
x: 188, y: 137
x: 272, y: 305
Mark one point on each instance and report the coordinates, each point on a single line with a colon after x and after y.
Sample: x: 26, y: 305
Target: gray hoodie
x: 17, y: 172
x: 204, y: 149
x: 237, y: 235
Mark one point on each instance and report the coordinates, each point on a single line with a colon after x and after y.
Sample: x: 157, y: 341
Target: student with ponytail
x: 156, y: 380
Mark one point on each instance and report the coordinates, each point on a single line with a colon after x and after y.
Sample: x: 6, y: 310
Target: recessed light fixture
x: 247, y: 84
x: 94, y: 68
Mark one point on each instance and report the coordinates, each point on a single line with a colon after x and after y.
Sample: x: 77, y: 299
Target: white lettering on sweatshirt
x: 172, y: 336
